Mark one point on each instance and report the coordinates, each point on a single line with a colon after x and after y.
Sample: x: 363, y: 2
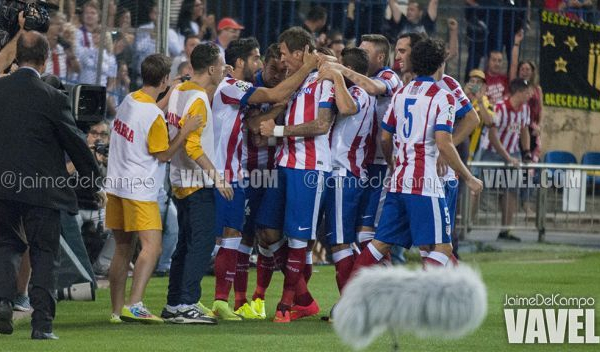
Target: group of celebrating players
x: 350, y: 144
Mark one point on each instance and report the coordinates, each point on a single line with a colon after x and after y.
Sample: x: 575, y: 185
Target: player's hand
x: 225, y: 189
x: 452, y: 24
x: 519, y: 36
x: 192, y: 123
x: 101, y: 198
x: 514, y: 162
x: 266, y: 128
x: 442, y: 166
x: 310, y: 59
x: 327, y: 70
x: 475, y: 185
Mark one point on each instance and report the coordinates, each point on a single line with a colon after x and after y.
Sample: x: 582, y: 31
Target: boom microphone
x: 443, y: 302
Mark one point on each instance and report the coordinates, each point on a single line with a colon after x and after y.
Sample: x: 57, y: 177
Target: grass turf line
x: 83, y: 326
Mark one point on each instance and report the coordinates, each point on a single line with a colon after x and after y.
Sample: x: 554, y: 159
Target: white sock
x: 374, y: 252
x: 309, y: 258
x: 439, y: 257
x: 265, y: 251
x: 215, y: 250
x: 364, y: 236
x: 297, y: 244
x: 424, y: 254
x: 244, y: 249
x: 344, y: 253
x: 231, y: 242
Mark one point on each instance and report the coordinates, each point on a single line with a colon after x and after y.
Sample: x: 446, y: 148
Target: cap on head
x: 477, y: 73
x: 230, y: 23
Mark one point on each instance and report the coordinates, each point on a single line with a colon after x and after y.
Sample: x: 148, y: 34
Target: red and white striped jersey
x: 509, y: 122
x: 417, y: 111
x: 462, y: 105
x: 350, y: 134
x: 307, y: 153
x: 228, y: 106
x: 393, y: 83
x: 258, y: 158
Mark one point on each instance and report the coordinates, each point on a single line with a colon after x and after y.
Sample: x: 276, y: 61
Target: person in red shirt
x: 496, y: 79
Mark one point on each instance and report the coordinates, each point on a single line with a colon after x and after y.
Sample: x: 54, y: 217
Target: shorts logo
x: 303, y: 228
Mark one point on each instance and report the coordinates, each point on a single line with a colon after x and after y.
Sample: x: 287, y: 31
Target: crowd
x: 260, y: 118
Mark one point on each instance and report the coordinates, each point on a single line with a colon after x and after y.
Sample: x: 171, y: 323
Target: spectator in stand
x: 413, y: 20
x: 509, y: 139
x: 124, y: 37
x: 492, y: 25
x: 62, y: 60
x: 315, y: 24
x: 337, y: 44
x: 192, y: 20
x: 145, y: 42
x: 90, y: 20
x: 89, y: 62
x: 228, y: 30
x: 527, y: 70
x: 191, y: 41
x: 475, y: 90
x: 577, y: 9
x: 122, y: 83
x: 554, y: 5
x: 496, y: 78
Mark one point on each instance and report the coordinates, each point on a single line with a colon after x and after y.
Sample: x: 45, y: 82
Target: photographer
x: 8, y: 52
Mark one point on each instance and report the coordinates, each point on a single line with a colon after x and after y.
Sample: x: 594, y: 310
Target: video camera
x: 35, y: 14
x: 88, y: 101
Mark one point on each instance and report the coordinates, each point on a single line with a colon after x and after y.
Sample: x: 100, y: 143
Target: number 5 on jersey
x: 407, y: 128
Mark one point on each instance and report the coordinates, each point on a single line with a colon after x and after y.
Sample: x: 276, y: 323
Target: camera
x: 101, y: 148
x: 35, y: 14
x: 77, y: 292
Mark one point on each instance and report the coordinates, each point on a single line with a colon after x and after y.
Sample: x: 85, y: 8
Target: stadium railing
x: 563, y: 197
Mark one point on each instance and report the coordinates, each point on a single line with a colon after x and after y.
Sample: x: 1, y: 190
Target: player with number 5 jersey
x: 420, y: 119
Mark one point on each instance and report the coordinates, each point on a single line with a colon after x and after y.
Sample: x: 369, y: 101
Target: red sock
x: 225, y: 265
x: 264, y: 272
x: 293, y: 272
x: 302, y: 296
x: 343, y: 269
x: 370, y: 256
x: 240, y: 284
x: 280, y: 256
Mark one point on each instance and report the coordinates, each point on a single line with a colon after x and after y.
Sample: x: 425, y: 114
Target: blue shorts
x: 254, y: 197
x: 414, y: 220
x: 451, y: 193
x: 342, y: 201
x: 230, y: 213
x: 294, y: 204
x: 372, y: 198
